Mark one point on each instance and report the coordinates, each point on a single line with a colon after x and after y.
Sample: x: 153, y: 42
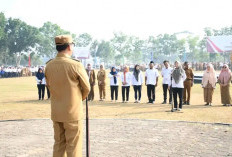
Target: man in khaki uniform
x: 188, y: 83
x: 90, y: 72
x: 69, y: 85
x: 101, y: 77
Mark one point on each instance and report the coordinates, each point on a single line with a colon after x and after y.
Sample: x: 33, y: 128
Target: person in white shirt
x: 126, y: 82
x: 137, y: 81
x: 151, y: 80
x: 166, y: 74
x: 113, y: 75
x: 40, y: 78
x: 177, y: 83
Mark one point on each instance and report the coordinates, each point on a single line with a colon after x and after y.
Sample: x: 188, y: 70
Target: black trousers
x: 151, y: 92
x: 114, y: 90
x: 125, y: 90
x: 179, y: 92
x: 48, y: 92
x: 137, y: 90
x: 165, y: 90
x: 41, y: 89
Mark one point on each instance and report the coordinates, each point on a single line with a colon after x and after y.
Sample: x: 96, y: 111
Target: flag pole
x: 87, y: 129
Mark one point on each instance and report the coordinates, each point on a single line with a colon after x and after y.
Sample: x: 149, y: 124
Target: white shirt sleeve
x: 110, y: 76
x: 184, y: 76
x: 141, y: 77
x: 122, y: 78
x: 157, y: 73
x: 162, y: 72
x: 146, y: 73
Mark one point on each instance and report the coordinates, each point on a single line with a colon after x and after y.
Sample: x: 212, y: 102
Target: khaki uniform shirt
x: 101, y: 77
x: 91, y: 75
x: 189, y: 74
x: 69, y: 85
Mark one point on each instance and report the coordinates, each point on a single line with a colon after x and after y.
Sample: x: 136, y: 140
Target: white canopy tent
x: 219, y: 44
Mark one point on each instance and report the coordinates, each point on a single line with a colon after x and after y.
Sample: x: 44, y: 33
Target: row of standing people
x: 9, y: 72
x: 178, y: 81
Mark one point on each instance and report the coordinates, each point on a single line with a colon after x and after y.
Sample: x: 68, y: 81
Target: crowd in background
x: 12, y: 71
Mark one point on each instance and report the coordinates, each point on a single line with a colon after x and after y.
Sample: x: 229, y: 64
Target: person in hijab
x: 177, y: 84
x: 224, y: 81
x: 209, y: 81
x: 91, y: 74
x: 40, y: 78
x: 137, y: 81
x: 101, y: 77
x: 114, y: 75
x: 126, y: 82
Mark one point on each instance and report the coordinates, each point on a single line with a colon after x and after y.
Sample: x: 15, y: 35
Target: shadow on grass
x: 27, y: 102
x: 146, y: 105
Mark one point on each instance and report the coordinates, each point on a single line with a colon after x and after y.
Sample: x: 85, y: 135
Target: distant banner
x: 219, y: 44
x: 81, y: 52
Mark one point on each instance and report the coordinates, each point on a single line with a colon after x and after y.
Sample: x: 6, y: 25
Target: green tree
x: 47, y: 34
x: 121, y: 46
x: 83, y: 40
x: 4, y: 53
x: 105, y: 51
x: 136, y: 49
x: 20, y: 38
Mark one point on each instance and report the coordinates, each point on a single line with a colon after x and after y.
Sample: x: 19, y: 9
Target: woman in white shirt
x: 178, y: 77
x: 126, y: 82
x: 40, y: 78
x: 137, y: 81
x: 113, y: 75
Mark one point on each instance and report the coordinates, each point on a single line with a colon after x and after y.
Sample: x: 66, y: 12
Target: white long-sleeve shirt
x: 140, y: 79
x: 112, y: 79
x: 128, y: 79
x: 180, y: 84
x: 43, y: 81
x: 166, y: 73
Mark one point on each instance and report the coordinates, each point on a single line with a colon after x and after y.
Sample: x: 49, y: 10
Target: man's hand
x: 169, y: 87
x: 156, y: 85
x: 192, y: 83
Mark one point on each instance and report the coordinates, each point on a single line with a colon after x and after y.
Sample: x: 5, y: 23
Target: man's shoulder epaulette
x: 49, y: 61
x: 75, y: 59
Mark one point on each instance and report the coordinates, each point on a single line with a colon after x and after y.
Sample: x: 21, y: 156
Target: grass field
x: 18, y: 100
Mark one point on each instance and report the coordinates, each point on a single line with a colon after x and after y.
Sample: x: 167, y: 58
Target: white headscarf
x: 209, y: 76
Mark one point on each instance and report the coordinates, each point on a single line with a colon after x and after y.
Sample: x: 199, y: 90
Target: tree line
x: 18, y: 40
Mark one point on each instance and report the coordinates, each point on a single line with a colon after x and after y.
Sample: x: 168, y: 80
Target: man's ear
x: 69, y: 47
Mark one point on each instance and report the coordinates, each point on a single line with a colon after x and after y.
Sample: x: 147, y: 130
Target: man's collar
x: 63, y: 55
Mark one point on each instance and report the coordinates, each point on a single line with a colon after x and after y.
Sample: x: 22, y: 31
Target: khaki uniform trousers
x: 187, y: 88
x: 91, y: 93
x: 102, y: 91
x: 68, y: 139
x: 208, y: 93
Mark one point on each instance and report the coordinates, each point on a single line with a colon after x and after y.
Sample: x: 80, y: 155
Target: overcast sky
x: 142, y: 18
